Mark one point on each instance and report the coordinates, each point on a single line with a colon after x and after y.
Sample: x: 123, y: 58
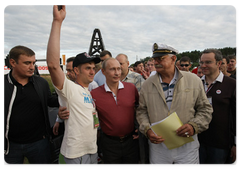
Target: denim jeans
x: 211, y: 155
x: 37, y: 152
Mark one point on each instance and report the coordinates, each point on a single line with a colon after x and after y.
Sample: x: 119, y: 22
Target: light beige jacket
x: 189, y: 102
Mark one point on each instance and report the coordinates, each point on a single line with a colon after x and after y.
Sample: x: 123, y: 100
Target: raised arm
x: 53, y: 49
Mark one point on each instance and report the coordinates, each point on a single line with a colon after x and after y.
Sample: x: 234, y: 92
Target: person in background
x: 126, y: 74
x: 99, y: 78
x: 178, y: 64
x: 137, y: 80
x: 139, y: 68
x: 146, y: 68
x: 26, y: 121
x: 223, y: 67
x: 185, y: 63
x: 151, y: 66
x: 232, y: 64
x: 220, y: 139
x: 168, y: 91
x: 199, y: 71
x: 131, y: 68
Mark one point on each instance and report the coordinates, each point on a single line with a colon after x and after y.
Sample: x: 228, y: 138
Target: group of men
x: 124, y: 107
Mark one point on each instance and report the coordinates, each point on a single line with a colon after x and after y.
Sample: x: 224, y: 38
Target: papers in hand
x: 167, y: 129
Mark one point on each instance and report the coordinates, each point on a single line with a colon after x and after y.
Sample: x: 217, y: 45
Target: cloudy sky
x: 125, y: 29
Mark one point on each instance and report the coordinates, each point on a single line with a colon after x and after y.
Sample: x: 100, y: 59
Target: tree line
x: 195, y: 55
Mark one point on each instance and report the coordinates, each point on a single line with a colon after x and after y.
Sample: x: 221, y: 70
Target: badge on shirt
x: 218, y: 91
x: 95, y: 120
x: 210, y: 100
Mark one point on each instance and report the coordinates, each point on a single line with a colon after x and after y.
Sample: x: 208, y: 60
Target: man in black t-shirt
x: 26, y: 121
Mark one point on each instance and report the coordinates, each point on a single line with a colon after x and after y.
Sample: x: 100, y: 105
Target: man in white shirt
x: 79, y: 142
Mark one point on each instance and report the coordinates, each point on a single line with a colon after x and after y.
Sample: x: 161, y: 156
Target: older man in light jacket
x: 171, y: 90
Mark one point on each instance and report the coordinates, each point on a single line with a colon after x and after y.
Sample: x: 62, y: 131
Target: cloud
x: 125, y: 29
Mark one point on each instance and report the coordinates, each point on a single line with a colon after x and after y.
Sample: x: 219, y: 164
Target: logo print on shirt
x: 87, y: 98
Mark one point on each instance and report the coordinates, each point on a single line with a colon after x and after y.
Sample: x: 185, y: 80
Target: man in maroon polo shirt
x: 115, y: 102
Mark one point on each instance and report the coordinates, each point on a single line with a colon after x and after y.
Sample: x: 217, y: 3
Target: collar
x: 12, y: 80
x: 107, y: 89
x: 219, y: 78
x: 175, y: 77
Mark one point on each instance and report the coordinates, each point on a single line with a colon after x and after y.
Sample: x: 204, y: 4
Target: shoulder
x: 98, y: 90
x: 128, y: 84
x: 229, y: 80
x: 190, y: 76
x: 5, y: 80
x: 39, y: 79
x: 99, y: 73
x: 92, y: 85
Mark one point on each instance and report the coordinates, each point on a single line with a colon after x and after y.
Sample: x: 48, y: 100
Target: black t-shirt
x: 27, y: 123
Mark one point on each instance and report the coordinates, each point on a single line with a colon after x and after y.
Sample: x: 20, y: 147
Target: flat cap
x: 163, y: 49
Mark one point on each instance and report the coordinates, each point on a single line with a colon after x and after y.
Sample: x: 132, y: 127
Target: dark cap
x: 162, y: 49
x: 83, y: 58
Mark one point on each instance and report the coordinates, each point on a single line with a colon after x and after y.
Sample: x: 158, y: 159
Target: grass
x: 49, y: 80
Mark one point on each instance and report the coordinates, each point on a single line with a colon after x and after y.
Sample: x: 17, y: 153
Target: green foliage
x: 49, y: 80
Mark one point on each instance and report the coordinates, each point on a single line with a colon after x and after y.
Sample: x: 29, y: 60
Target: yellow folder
x: 167, y: 129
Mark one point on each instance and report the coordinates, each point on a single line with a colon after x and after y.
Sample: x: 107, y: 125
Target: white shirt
x: 80, y: 135
x: 107, y: 89
x: 219, y: 79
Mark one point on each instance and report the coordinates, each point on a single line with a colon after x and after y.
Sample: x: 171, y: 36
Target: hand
x: 135, y: 136
x: 63, y: 113
x: 154, y: 138
x: 55, y: 128
x: 59, y: 15
x: 185, y: 130
x: 233, y: 154
x: 145, y: 74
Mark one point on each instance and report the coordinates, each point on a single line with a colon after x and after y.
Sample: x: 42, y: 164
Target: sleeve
x: 142, y: 114
x: 203, y: 114
x: 139, y: 82
x: 233, y: 116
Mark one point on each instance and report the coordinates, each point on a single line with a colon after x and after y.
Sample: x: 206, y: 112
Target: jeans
x: 211, y: 155
x: 37, y: 152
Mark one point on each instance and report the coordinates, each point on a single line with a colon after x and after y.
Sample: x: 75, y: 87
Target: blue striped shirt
x: 168, y: 89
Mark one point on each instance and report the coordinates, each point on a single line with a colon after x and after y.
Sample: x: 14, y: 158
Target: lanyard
x: 209, y: 88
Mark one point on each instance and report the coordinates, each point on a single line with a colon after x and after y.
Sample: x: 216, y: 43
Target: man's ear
x: 174, y: 58
x: 219, y: 63
x: 76, y: 70
x: 12, y: 62
x: 103, y: 71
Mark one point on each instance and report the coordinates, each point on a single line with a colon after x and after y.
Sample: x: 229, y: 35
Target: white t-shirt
x: 80, y: 136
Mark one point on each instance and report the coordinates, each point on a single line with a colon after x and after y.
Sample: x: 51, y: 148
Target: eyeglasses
x: 206, y: 62
x: 160, y: 58
x: 182, y: 65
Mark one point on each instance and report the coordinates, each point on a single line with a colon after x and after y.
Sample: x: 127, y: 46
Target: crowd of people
x: 108, y: 115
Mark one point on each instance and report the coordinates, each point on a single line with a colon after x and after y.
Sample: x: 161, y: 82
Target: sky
x: 130, y: 29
